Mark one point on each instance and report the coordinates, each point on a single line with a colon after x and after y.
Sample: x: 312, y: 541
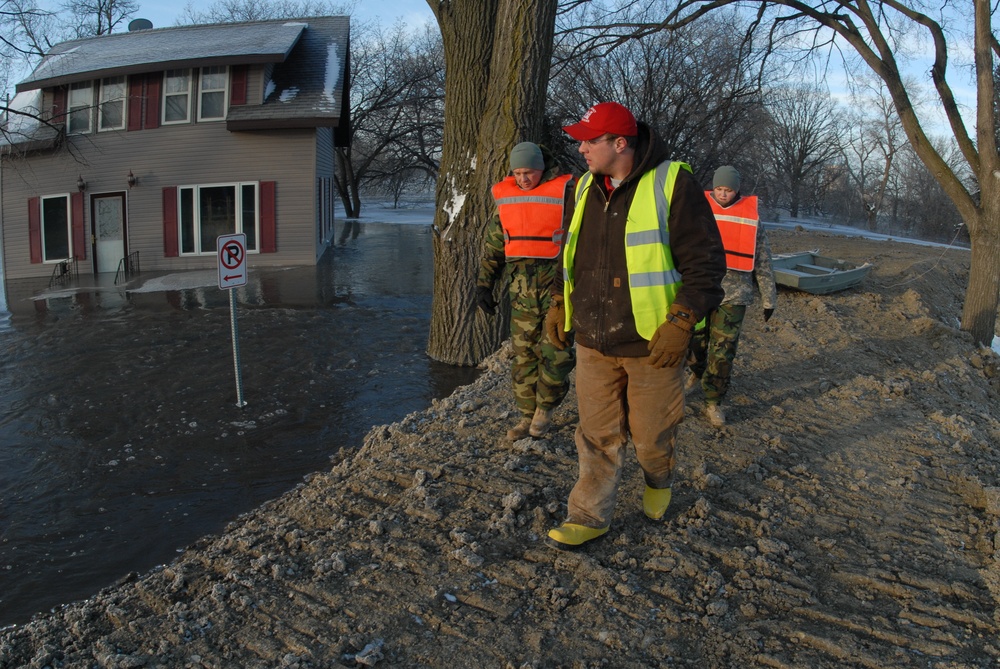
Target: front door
x: 109, y: 231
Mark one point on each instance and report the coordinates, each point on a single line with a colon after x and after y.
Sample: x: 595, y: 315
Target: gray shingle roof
x: 309, y: 89
x: 166, y: 48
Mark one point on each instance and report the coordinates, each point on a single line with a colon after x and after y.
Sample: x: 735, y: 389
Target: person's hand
x: 485, y: 301
x: 767, y: 314
x: 669, y: 345
x: 555, y: 323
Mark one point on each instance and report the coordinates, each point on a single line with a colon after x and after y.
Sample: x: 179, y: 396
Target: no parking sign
x: 233, y: 272
x: 232, y: 260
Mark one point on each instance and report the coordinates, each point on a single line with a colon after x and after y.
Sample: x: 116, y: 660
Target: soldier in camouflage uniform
x: 713, y: 346
x: 522, y: 241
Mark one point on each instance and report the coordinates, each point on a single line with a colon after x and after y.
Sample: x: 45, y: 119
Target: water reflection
x: 120, y: 439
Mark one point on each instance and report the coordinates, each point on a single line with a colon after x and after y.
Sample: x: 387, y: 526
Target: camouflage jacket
x: 740, y: 287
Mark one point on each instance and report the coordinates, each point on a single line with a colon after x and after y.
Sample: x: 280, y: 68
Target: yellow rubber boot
x: 569, y: 536
x: 655, y: 502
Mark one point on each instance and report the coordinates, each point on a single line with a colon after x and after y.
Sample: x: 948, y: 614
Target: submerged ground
x: 847, y: 516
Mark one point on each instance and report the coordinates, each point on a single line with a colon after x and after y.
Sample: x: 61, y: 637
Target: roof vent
x: 139, y: 24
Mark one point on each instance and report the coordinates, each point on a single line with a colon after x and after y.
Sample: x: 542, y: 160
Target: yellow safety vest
x: 653, y: 280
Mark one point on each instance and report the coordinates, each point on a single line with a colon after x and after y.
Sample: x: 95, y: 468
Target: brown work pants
x: 619, y: 398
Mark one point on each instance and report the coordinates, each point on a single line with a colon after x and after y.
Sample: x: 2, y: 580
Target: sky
x: 164, y: 13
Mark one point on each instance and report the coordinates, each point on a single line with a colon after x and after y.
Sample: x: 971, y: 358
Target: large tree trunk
x: 979, y: 313
x: 497, y: 55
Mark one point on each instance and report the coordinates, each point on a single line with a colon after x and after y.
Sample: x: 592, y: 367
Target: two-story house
x: 156, y: 141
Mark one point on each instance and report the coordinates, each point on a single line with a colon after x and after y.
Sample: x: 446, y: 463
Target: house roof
x: 310, y: 88
x: 164, y: 49
x: 307, y: 88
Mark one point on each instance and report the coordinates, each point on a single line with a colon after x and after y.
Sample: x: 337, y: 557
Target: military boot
x: 521, y: 430
x: 541, y: 422
x: 716, y: 416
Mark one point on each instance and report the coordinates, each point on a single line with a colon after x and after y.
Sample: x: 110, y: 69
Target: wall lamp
x: 131, y: 179
x: 81, y: 185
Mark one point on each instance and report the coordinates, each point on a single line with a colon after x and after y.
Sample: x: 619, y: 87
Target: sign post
x: 232, y: 273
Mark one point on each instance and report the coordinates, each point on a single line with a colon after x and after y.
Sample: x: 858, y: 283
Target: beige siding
x: 190, y: 154
x: 257, y: 78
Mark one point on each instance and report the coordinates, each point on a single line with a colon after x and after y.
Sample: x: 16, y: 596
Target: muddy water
x: 121, y: 440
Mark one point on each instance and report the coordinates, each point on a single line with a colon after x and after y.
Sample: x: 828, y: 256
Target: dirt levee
x: 847, y: 516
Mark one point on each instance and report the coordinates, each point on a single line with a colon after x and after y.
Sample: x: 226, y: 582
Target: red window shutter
x: 35, y: 229
x: 79, y: 234
x: 268, y: 218
x: 238, y: 85
x: 59, y: 97
x: 170, y: 222
x: 134, y: 111
x: 153, y: 84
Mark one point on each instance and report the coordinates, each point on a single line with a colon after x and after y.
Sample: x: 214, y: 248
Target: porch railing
x: 128, y: 266
x: 63, y: 272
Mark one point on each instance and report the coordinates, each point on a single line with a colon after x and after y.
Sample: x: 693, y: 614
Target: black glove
x: 669, y: 345
x: 767, y: 314
x: 485, y: 301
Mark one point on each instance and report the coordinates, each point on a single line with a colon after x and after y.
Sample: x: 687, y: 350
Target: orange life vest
x: 531, y: 219
x: 738, y: 227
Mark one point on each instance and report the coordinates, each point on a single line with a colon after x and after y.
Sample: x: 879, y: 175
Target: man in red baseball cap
x: 604, y: 118
x: 643, y: 262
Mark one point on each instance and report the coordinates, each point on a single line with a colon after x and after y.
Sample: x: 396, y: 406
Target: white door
x: 109, y: 232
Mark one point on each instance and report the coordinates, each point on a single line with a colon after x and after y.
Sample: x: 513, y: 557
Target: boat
x: 810, y: 272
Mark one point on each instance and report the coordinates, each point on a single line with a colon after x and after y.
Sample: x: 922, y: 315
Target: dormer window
x: 111, y: 112
x: 176, y: 96
x: 80, y: 103
x: 212, y: 93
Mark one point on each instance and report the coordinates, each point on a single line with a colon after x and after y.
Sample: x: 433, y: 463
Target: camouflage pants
x: 540, y: 371
x: 713, y: 349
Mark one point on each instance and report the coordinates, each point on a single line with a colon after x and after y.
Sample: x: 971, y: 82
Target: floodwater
x: 121, y: 439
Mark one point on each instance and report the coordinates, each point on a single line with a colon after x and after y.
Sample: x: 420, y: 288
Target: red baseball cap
x: 603, y: 118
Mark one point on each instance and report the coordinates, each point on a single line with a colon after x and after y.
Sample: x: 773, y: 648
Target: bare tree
x: 871, y: 140
x: 878, y: 32
x: 24, y: 31
x: 924, y: 210
x: 238, y: 11
x: 697, y: 86
x: 801, y: 140
x: 397, y: 95
x: 89, y: 18
x: 497, y: 55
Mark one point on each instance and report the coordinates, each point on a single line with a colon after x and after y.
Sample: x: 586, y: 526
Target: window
x: 206, y: 212
x: 111, y: 112
x: 56, y: 233
x: 176, y: 96
x: 81, y: 101
x: 212, y: 93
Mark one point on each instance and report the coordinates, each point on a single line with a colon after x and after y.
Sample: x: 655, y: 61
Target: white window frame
x: 167, y: 93
x: 202, y: 91
x: 80, y: 106
x: 253, y: 237
x: 111, y: 87
x: 69, y: 227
